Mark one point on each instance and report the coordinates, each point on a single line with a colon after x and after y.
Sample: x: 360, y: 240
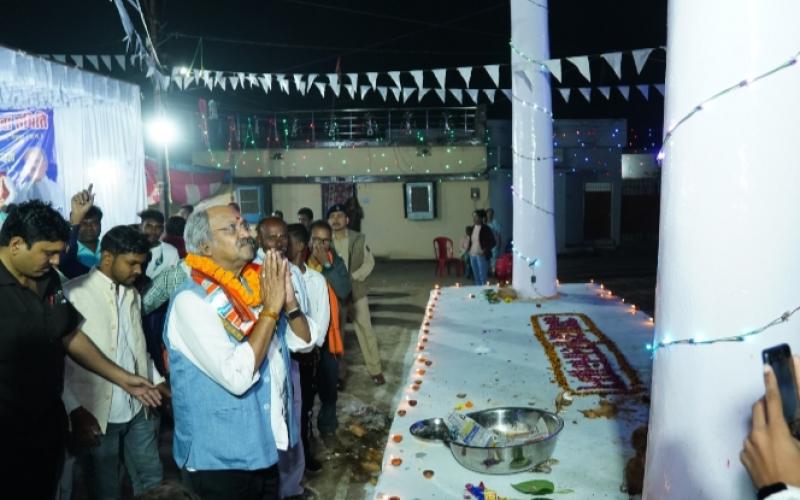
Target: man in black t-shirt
x: 37, y: 327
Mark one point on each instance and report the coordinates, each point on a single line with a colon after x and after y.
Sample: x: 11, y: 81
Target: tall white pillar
x: 532, y: 143
x: 729, y: 237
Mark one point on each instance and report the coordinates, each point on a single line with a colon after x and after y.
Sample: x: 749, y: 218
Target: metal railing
x: 331, y: 128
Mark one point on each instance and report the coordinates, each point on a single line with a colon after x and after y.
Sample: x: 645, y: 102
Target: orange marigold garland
x: 555, y: 361
x: 250, y: 296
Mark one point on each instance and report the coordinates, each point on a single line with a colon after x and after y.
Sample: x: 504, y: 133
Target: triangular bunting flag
x: 209, y: 82
x: 165, y: 80
x: 395, y: 75
x: 494, y: 73
x: 353, y: 77
x: 78, y: 60
x: 440, y: 75
x: 351, y: 89
x: 625, y: 90
x: 106, y: 60
x: 151, y: 69
x: 458, y: 94
x: 63, y: 59
x: 507, y: 93
x: 640, y: 58
x: 582, y: 63
x: 525, y: 79
x: 490, y: 94
x: 466, y: 73
x: 186, y: 81
x: 266, y: 82
x: 321, y: 87
x: 302, y: 90
x: 442, y: 93
x: 284, y: 83
x: 407, y: 93
x: 197, y: 74
x: 121, y: 60
x: 234, y: 81
x: 554, y: 65
x: 93, y: 60
x: 178, y: 81
x: 251, y: 79
x: 310, y: 81
x: 373, y: 78
x: 418, y: 77
x: 333, y: 81
x: 614, y: 59
x: 396, y: 92
x: 298, y: 82
x: 586, y: 92
x: 365, y: 89
x: 644, y: 90
x: 473, y: 94
x: 223, y: 83
x: 660, y: 88
x: 606, y: 91
x: 241, y: 78
x: 382, y: 91
x: 422, y: 93
x: 565, y: 93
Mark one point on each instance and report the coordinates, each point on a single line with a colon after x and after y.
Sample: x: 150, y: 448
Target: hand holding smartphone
x: 779, y: 358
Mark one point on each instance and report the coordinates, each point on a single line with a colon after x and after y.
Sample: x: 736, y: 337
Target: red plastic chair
x: 443, y: 250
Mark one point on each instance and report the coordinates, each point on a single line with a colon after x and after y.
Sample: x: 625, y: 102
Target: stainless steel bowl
x: 501, y: 459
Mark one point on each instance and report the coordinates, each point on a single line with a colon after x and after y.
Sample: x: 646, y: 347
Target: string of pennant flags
x: 358, y: 85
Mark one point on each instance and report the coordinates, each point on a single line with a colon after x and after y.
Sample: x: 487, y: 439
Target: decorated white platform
x: 473, y: 355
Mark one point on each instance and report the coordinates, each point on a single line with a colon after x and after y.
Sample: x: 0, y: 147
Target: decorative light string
x: 528, y: 58
x: 704, y: 104
x: 531, y: 158
x: 532, y: 204
x: 531, y: 261
x: 783, y: 318
x: 532, y: 105
x: 538, y: 4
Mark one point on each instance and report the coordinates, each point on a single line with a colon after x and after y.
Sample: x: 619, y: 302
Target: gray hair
x: 197, y: 231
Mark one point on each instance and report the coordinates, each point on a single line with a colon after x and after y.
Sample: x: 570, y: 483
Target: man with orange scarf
x: 229, y: 332
x: 323, y: 258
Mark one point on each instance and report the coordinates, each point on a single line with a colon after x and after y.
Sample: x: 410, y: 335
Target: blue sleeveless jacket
x: 214, y: 429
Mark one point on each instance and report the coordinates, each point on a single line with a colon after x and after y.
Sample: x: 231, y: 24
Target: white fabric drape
x: 98, y: 130
x: 102, y: 145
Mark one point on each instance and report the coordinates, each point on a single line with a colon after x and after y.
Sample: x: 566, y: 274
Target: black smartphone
x: 779, y: 358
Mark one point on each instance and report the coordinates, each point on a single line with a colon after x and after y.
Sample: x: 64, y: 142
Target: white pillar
x: 534, y: 225
x: 729, y: 237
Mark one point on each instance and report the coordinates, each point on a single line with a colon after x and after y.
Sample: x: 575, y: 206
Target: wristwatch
x: 769, y: 489
x: 294, y: 313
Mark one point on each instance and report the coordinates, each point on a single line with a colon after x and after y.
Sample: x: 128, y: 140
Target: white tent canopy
x: 97, y: 130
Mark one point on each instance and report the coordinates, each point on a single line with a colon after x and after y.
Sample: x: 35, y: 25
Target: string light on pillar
x: 667, y: 342
x: 704, y: 105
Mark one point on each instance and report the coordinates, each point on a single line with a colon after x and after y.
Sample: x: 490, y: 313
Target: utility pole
x: 158, y: 108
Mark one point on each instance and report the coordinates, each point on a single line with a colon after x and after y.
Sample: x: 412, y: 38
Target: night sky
x: 308, y: 36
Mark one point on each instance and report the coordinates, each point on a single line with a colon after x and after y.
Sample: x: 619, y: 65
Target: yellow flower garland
x: 227, y: 280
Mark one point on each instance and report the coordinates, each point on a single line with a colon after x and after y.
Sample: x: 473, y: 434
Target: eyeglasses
x: 324, y: 241
x: 233, y: 229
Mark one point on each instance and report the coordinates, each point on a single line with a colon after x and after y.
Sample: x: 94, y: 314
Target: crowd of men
x: 232, y: 332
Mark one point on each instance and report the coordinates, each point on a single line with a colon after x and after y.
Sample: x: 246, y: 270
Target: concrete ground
x: 398, y: 293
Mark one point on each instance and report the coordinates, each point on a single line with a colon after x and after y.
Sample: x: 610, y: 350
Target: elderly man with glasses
x: 228, y: 336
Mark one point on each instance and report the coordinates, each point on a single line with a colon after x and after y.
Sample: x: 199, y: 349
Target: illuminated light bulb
x: 591, y: 281
x: 601, y: 286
